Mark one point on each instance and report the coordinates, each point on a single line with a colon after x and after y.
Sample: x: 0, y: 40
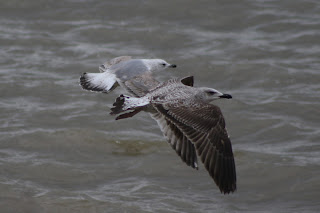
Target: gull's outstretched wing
x: 203, y: 124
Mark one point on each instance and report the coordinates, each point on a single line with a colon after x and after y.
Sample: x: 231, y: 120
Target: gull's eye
x: 163, y: 64
x: 211, y: 92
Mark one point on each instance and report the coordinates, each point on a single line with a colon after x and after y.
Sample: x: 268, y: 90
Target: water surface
x: 60, y: 151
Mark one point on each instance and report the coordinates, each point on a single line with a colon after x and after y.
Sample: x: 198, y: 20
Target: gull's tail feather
x: 125, y: 103
x: 99, y: 82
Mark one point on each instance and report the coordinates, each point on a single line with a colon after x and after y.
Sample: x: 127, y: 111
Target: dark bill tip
x: 225, y: 96
x: 173, y: 66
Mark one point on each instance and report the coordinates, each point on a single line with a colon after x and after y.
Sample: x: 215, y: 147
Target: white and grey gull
x: 189, y: 117
x: 134, y: 75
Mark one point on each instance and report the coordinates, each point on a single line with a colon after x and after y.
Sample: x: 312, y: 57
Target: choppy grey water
x: 60, y: 151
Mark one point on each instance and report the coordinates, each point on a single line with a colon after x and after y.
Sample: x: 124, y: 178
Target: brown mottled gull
x: 192, y: 125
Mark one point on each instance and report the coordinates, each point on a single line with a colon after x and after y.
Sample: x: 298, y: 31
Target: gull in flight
x: 192, y: 125
x: 134, y: 75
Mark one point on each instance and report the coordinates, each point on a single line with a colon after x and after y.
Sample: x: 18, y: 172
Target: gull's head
x: 209, y: 94
x: 158, y: 64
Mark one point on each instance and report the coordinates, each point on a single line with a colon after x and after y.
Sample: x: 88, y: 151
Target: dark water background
x: 60, y: 151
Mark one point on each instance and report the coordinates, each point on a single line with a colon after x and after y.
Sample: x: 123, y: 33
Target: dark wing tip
x: 217, y: 156
x: 227, y: 180
x: 222, y: 169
